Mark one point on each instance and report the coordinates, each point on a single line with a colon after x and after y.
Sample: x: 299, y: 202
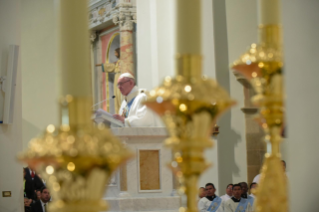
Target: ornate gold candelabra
x: 189, y: 103
x: 77, y: 159
x: 262, y: 66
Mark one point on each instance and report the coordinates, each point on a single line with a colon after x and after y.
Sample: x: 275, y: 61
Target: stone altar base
x: 144, y: 183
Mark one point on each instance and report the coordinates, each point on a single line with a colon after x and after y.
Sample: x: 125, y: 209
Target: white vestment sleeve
x: 140, y: 115
x: 201, y: 205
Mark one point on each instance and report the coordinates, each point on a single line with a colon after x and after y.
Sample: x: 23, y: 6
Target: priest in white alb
x: 211, y: 202
x: 237, y: 203
x: 132, y: 112
x: 229, y: 193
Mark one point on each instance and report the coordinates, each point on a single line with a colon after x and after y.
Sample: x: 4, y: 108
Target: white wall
x: 301, y: 48
x: 39, y: 67
x: 208, y: 52
x: 11, y: 177
x: 235, y: 28
x: 155, y: 41
x: 241, y: 31
x: 156, y: 53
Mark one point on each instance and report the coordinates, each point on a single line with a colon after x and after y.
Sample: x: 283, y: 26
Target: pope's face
x: 125, y: 85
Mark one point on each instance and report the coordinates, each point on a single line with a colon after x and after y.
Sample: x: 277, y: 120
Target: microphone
x: 104, y: 100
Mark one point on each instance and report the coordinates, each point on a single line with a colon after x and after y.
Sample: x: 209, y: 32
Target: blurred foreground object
x: 189, y: 103
x: 262, y: 66
x: 77, y: 159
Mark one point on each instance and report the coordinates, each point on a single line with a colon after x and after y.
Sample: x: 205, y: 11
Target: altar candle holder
x: 262, y: 66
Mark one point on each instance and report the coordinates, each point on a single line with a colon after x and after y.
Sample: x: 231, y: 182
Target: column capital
x: 124, y: 15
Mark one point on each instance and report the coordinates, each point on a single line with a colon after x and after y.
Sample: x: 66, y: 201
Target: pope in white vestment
x: 132, y: 112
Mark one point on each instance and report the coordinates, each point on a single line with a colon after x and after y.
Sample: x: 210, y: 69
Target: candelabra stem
x: 275, y: 140
x: 191, y: 192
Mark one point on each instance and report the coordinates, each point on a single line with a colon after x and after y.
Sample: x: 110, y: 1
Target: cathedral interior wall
x: 39, y: 62
x: 11, y: 174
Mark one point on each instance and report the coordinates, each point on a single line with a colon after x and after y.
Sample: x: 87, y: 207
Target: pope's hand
x: 118, y: 117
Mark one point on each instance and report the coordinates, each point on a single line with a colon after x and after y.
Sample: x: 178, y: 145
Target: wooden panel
x: 149, y: 169
x: 123, y: 178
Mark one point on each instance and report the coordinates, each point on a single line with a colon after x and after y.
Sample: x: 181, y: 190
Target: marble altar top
x: 139, y: 131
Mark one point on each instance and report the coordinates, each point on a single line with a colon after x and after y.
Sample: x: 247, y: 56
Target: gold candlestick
x: 189, y: 105
x: 262, y: 65
x: 77, y: 159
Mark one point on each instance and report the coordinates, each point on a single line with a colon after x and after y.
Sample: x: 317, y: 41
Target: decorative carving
x: 100, y: 14
x: 93, y: 36
x: 125, y: 16
x: 123, y: 12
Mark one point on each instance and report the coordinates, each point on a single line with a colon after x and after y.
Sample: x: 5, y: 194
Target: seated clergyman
x: 244, y: 187
x: 252, y: 187
x: 229, y: 193
x: 132, y: 112
x: 237, y: 203
x: 211, y: 202
x: 201, y: 192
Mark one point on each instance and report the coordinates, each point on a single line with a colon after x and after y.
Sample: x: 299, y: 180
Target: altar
x: 144, y: 183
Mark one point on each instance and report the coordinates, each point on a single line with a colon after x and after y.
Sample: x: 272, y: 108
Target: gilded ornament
x: 189, y: 105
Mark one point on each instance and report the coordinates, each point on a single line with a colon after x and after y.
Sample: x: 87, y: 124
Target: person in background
x: 252, y: 187
x: 211, y: 202
x: 27, y: 207
x: 229, y: 193
x: 237, y: 203
x: 32, y: 177
x: 201, y: 192
x: 38, y: 193
x: 42, y: 204
x: 244, y: 187
x: 28, y: 187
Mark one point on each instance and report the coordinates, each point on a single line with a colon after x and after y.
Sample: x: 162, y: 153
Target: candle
x: 188, y: 26
x: 269, y: 12
x: 74, y: 48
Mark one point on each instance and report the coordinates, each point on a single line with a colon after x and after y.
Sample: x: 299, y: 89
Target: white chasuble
x: 136, y: 114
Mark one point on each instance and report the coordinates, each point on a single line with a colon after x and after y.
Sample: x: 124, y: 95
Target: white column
x: 208, y: 47
x: 210, y: 175
x: 241, y: 32
x: 155, y: 41
x: 165, y: 38
x: 144, y: 66
x: 11, y: 135
x: 234, y: 29
x: 300, y: 21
